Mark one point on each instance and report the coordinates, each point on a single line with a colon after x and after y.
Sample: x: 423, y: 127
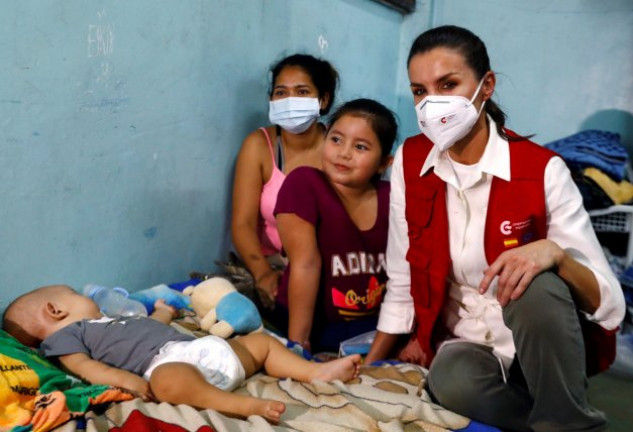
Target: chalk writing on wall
x: 323, y: 44
x: 100, y: 37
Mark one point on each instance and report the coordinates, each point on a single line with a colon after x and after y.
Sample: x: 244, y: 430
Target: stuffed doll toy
x: 222, y: 310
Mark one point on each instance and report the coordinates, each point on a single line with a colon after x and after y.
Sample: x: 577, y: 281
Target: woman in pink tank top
x: 302, y: 89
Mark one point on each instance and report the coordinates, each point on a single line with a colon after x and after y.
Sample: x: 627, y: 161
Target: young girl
x: 302, y: 89
x: 333, y: 225
x: 490, y: 246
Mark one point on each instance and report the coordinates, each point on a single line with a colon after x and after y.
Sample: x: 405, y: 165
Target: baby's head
x: 36, y: 315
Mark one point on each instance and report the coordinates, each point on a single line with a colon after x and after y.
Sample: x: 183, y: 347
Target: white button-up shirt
x: 468, y: 314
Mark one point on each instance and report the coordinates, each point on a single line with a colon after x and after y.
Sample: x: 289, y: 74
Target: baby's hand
x: 161, y: 305
x: 163, y: 312
x: 139, y: 387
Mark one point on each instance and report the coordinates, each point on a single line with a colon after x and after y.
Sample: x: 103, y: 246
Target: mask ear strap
x: 477, y: 91
x: 483, y: 104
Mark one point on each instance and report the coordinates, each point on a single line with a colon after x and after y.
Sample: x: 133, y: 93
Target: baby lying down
x: 153, y: 360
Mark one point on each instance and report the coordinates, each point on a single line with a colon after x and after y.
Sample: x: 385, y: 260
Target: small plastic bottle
x: 114, y: 301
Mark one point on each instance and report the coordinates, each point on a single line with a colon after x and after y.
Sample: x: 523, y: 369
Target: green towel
x: 36, y: 395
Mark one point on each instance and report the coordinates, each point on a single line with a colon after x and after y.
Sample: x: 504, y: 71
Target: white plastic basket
x: 615, y: 219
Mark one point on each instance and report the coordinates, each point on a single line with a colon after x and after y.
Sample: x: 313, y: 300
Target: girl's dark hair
x: 322, y: 73
x: 474, y: 52
x: 380, y: 118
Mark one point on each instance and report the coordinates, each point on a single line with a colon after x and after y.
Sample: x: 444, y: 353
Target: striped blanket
x: 387, y: 398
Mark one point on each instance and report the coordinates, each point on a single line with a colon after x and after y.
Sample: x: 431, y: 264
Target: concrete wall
x: 120, y: 122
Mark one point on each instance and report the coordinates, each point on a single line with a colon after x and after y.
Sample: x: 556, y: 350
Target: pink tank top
x: 268, y: 234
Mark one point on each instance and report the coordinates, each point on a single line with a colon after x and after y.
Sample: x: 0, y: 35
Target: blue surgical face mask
x: 294, y: 114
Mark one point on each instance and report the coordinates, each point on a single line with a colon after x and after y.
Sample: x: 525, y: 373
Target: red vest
x: 516, y: 216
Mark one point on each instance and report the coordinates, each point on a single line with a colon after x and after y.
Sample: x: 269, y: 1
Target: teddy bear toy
x: 222, y: 309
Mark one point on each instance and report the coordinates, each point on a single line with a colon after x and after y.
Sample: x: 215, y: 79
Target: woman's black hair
x: 380, y: 118
x: 322, y: 73
x: 474, y: 52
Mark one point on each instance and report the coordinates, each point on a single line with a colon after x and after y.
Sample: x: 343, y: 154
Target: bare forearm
x: 249, y: 249
x: 382, y: 346
x: 299, y: 239
x: 114, y: 377
x: 96, y: 372
x: 302, y: 295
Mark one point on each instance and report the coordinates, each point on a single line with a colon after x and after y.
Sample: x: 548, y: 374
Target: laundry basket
x: 615, y: 219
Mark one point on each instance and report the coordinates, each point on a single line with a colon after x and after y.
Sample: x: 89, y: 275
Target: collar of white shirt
x: 494, y: 161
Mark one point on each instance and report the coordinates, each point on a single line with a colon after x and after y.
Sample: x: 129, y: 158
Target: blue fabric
x: 180, y: 286
x: 474, y: 426
x: 387, y: 362
x: 171, y: 296
x: 240, y: 312
x: 593, y: 148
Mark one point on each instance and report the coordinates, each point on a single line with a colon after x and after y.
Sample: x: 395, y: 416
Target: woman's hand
x: 516, y: 268
x: 266, y: 286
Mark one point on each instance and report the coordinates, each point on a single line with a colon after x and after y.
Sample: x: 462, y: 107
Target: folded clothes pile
x: 593, y: 148
x: 598, y: 162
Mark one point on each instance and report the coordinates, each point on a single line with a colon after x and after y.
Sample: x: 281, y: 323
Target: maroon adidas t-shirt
x: 353, y: 271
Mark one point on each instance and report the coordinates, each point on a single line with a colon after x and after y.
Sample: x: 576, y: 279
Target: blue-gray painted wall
x: 120, y: 120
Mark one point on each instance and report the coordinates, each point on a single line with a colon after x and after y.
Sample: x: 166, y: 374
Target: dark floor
x: 613, y: 394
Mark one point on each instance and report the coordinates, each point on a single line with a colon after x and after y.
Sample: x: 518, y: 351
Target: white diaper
x: 212, y: 355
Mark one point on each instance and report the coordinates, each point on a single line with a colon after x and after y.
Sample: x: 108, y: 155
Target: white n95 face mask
x: 294, y: 114
x: 447, y: 119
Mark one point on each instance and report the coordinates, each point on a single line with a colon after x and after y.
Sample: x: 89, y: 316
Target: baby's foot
x: 343, y: 369
x: 269, y: 409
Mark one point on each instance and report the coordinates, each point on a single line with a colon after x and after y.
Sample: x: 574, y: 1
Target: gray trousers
x: 547, y: 384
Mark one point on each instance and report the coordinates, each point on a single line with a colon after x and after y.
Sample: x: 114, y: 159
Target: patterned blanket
x: 387, y: 398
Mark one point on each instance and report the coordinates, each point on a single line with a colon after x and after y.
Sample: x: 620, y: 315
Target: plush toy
x: 222, y: 309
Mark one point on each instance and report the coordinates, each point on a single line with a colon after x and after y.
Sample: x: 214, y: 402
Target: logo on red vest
x: 521, y: 232
x: 505, y: 228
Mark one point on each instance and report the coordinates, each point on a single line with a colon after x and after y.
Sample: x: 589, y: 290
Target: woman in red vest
x: 492, y: 261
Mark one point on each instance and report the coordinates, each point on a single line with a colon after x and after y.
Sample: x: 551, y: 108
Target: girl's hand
x: 412, y: 353
x: 266, y: 286
x: 307, y: 346
x: 516, y: 268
